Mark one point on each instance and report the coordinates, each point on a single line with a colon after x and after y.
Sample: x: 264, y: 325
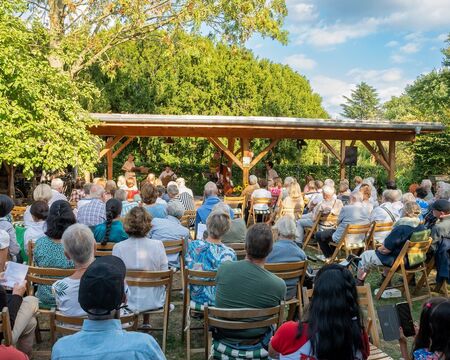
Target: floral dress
x: 205, y: 256
x: 49, y: 254
x: 424, y: 354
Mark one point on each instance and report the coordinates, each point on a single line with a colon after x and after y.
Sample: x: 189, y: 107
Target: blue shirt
x: 105, y: 339
x: 116, y: 234
x: 156, y: 211
x: 204, y: 210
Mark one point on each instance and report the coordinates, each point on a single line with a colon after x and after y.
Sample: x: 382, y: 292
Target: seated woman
x: 49, y: 251
x: 142, y: 253
x: 22, y: 315
x: 149, y: 194
x: 432, y: 341
x: 111, y: 230
x: 334, y: 309
x: 79, y: 246
x: 39, y: 213
x: 294, y: 200
x: 366, y: 192
x: 208, y: 254
x: 286, y: 250
x: 42, y: 192
x: 393, y: 244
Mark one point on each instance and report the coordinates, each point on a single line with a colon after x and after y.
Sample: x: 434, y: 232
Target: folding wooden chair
x: 289, y: 271
x: 44, y: 276
x: 311, y: 231
x: 416, y: 253
x: 295, y: 213
x: 5, y: 327
x: 253, y: 212
x: 68, y: 325
x: 104, y: 250
x: 198, y: 278
x: 237, y: 203
x: 238, y: 319
x: 176, y: 247
x: 30, y: 249
x: 376, y: 231
x: 188, y: 218
x: 149, y: 279
x: 239, y: 249
x: 352, y: 239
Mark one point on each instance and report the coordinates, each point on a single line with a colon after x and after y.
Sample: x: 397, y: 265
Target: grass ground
x: 176, y: 349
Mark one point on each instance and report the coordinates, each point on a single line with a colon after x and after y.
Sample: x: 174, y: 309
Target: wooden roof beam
x: 332, y: 150
x: 377, y: 156
x: 263, y: 153
x: 122, y: 147
x: 221, y: 146
x: 109, y: 145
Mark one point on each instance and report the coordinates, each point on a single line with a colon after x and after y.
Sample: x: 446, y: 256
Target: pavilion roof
x: 146, y: 125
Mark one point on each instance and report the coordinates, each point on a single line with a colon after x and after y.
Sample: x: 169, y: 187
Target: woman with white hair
x: 252, y: 186
x: 207, y: 254
x: 79, y: 246
x: 182, y: 188
x: 285, y: 250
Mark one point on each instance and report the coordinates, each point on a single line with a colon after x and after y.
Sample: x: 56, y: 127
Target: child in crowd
x: 275, y: 188
x: 131, y: 188
x: 432, y: 341
x: 39, y: 213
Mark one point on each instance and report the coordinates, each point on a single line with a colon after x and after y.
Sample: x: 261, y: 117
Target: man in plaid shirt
x: 94, y: 212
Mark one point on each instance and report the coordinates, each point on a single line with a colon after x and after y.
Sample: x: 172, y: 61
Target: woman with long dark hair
x: 112, y: 229
x: 432, y: 341
x: 332, y: 328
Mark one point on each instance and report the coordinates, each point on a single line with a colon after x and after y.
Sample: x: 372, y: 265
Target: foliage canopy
x: 363, y: 103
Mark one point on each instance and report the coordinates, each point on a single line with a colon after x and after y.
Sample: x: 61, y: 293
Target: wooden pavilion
x: 378, y: 136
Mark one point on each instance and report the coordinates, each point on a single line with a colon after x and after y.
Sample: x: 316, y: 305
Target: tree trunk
x: 10, y: 171
x: 56, y: 17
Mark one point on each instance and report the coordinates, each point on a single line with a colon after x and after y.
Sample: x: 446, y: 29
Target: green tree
x: 362, y: 104
x: 43, y: 124
x: 82, y: 32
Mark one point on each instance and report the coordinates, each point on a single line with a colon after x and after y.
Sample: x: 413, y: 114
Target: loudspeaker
x: 351, y: 155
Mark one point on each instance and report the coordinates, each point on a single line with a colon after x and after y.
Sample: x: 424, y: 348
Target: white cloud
x: 392, y: 43
x: 398, y: 59
x: 302, y: 12
x: 410, y: 48
x: 300, y: 62
x: 385, y: 75
x: 442, y: 37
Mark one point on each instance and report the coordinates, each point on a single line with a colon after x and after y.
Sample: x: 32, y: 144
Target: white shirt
x: 56, y: 195
x: 143, y: 254
x: 261, y: 194
x: 66, y: 296
x: 382, y: 214
x: 34, y: 231
x: 184, y: 189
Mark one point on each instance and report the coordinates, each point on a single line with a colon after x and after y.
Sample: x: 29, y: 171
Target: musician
x: 271, y: 173
x: 167, y: 175
x: 129, y: 165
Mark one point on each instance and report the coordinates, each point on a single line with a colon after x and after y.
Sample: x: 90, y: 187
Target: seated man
x: 394, y: 242
x: 101, y: 337
x: 210, y: 199
x: 170, y: 228
x: 246, y: 284
x: 440, y: 233
x: 329, y: 204
x: 354, y: 214
x: 286, y: 250
x: 385, y: 213
x: 94, y: 212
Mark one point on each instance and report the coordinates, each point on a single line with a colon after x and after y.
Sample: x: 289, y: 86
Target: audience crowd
x: 137, y: 220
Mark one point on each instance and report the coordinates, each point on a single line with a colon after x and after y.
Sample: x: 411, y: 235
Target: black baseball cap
x: 102, y: 286
x: 441, y: 205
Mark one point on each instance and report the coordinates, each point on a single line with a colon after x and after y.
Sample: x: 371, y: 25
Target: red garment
x: 131, y: 193
x: 11, y: 353
x: 286, y: 343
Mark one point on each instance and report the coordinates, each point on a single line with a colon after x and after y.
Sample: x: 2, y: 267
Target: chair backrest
x: 289, y: 270
x: 45, y: 276
x: 5, y: 327
x: 104, y: 250
x: 30, y: 249
x: 235, y: 201
x: 239, y: 249
x: 366, y: 304
x: 355, y: 235
x: 187, y: 218
x: 200, y: 278
x: 329, y: 218
x: 17, y: 212
x: 242, y: 319
x: 68, y: 325
x: 261, y: 201
x: 144, y: 278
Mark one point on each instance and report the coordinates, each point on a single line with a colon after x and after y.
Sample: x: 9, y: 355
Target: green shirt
x: 241, y: 284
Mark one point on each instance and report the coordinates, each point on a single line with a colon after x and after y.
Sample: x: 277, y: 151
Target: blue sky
x: 339, y: 43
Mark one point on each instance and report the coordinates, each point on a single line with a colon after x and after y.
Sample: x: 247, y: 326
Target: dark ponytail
x: 113, y: 210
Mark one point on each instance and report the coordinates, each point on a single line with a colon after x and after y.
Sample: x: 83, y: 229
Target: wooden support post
x: 332, y: 150
x: 220, y: 145
x: 87, y: 176
x: 122, y: 147
x: 245, y: 143
x: 342, y: 161
x: 377, y: 156
x: 263, y: 153
x: 109, y: 160
x: 109, y: 145
x: 392, y: 160
x: 382, y: 151
x: 231, y: 142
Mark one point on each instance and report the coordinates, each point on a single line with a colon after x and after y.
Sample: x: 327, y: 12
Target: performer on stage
x: 128, y: 166
x: 167, y: 175
x: 271, y: 173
